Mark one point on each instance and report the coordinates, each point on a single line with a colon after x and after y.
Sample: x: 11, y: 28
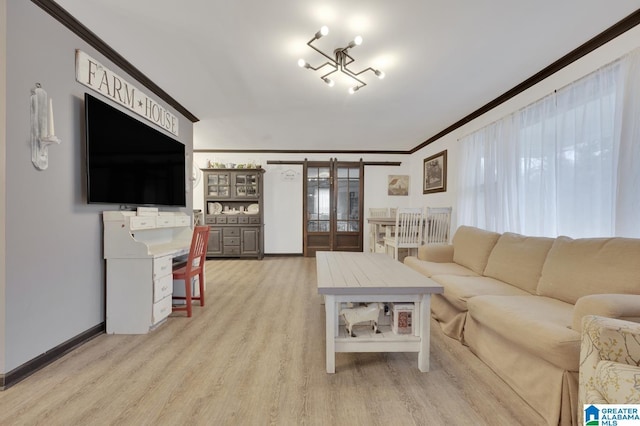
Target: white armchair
x: 609, y: 362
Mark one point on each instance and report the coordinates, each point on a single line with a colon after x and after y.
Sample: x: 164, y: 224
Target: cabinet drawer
x: 162, y: 287
x: 142, y: 222
x: 254, y: 219
x: 231, y: 241
x: 161, y: 310
x: 243, y: 219
x: 232, y: 219
x: 231, y: 249
x: 166, y: 221
x: 210, y: 219
x: 162, y: 266
x: 231, y: 232
x: 221, y: 219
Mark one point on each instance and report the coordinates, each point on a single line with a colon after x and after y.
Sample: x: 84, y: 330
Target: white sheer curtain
x: 627, y: 215
x: 553, y: 167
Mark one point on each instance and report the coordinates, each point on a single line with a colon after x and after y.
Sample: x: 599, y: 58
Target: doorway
x: 333, y: 206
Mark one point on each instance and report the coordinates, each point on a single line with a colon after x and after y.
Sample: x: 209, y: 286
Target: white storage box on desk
x: 402, y: 318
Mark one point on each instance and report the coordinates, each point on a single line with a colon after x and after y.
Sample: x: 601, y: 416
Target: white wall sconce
x: 42, y: 131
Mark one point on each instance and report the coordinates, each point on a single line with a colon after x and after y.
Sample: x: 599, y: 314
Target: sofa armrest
x: 620, y: 306
x: 605, y: 339
x: 436, y: 253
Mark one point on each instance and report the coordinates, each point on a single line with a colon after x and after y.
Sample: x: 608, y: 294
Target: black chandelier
x: 339, y: 62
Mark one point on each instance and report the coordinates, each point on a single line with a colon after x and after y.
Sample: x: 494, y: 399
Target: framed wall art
x: 435, y: 173
x: 398, y: 185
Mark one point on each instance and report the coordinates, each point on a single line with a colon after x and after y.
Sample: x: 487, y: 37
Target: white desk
x: 139, y: 251
x: 374, y: 277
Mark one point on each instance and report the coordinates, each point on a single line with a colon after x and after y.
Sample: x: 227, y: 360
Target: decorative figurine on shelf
x: 353, y: 316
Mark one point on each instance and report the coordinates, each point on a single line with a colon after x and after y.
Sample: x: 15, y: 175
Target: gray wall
x: 54, y: 268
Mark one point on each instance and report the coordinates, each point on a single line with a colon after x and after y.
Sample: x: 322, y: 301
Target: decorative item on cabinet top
x: 217, y: 165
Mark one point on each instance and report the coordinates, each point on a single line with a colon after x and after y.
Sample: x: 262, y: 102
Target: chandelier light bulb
x: 302, y: 63
x: 358, y: 40
x: 380, y: 74
x: 324, y: 30
x: 329, y: 82
x: 353, y: 90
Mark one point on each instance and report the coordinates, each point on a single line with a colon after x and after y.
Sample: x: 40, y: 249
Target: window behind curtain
x: 551, y: 168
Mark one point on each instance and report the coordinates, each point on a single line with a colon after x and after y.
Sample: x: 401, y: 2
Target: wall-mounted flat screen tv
x: 130, y: 163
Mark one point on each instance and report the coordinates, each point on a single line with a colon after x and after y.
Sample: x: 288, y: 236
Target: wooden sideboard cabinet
x: 233, y: 204
x: 139, y: 252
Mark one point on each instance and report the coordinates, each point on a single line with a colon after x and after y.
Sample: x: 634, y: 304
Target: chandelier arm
x: 328, y: 74
x: 320, y: 51
x: 362, y: 83
x: 358, y: 73
x: 323, y: 65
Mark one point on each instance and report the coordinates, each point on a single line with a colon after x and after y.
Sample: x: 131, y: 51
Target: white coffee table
x: 374, y: 277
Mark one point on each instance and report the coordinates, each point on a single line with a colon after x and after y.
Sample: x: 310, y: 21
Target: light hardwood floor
x: 255, y: 356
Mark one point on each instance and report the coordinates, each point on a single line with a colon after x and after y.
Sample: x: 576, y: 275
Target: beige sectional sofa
x: 518, y: 303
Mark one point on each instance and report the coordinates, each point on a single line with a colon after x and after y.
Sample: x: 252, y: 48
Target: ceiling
x: 233, y: 64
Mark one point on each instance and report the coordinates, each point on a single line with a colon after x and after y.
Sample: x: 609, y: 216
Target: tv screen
x: 129, y: 162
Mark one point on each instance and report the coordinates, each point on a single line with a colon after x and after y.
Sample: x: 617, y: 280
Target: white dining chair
x: 438, y: 225
x: 376, y: 234
x: 408, y: 231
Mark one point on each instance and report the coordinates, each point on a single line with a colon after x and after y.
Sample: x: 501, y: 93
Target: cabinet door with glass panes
x: 246, y: 184
x: 218, y: 185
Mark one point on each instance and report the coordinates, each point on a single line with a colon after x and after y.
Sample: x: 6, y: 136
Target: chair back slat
x: 438, y: 225
x: 378, y: 212
x: 409, y: 227
x: 198, y: 250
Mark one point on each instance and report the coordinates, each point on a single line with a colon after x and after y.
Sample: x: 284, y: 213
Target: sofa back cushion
x: 576, y: 268
x: 472, y: 247
x: 518, y: 260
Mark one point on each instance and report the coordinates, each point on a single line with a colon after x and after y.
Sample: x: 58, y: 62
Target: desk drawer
x: 142, y: 222
x: 162, y: 266
x: 183, y: 220
x: 166, y: 221
x: 162, y: 287
x: 161, y: 310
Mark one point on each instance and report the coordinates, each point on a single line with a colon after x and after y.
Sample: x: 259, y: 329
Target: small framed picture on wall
x: 398, y: 185
x: 435, y: 173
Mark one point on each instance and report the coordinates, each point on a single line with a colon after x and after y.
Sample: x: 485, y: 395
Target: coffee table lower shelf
x: 385, y: 341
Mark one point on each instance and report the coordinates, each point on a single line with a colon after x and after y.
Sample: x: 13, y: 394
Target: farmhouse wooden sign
x: 96, y: 76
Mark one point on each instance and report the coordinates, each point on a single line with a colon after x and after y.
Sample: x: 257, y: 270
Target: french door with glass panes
x: 333, y: 206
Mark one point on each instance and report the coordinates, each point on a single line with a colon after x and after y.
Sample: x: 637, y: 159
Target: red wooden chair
x: 193, y: 267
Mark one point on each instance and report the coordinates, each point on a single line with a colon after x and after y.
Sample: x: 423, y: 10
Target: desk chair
x: 408, y: 232
x: 194, y: 267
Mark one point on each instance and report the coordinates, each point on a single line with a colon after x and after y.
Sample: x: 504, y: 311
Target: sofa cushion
x: 518, y: 260
x: 472, y: 247
x: 539, y: 325
x: 458, y: 289
x: 576, y: 268
x: 435, y: 268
